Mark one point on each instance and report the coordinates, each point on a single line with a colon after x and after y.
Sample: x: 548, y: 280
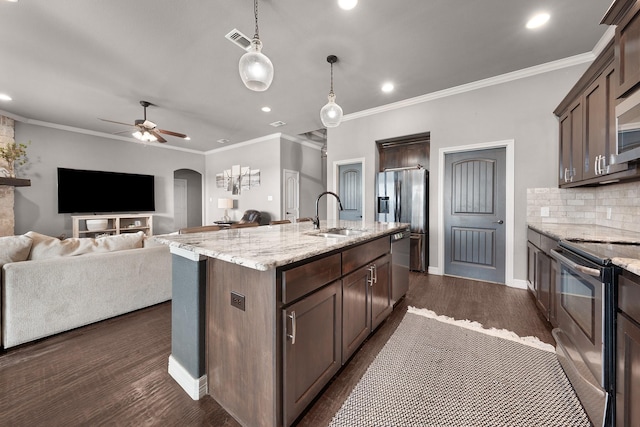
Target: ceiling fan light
x: 256, y: 70
x: 144, y: 136
x: 331, y: 113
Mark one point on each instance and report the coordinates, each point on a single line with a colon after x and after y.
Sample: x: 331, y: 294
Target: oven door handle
x: 581, y: 268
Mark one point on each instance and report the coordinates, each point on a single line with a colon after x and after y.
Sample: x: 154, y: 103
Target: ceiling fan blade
x: 157, y: 135
x: 168, y: 132
x: 119, y: 123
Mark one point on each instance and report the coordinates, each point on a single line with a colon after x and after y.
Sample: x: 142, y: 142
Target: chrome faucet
x: 316, y: 219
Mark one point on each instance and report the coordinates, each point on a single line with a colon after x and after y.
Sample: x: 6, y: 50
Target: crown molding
x: 73, y: 129
x: 491, y: 81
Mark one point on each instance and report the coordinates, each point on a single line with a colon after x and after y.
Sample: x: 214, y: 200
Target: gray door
x: 474, y: 212
x: 351, y: 191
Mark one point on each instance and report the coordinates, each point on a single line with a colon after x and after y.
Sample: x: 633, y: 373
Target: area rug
x: 436, y: 371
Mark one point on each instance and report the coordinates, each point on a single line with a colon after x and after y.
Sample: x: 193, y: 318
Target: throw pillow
x: 14, y: 249
x: 49, y: 247
x: 119, y: 242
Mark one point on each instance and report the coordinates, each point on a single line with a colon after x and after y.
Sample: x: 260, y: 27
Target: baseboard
x: 196, y: 388
x: 518, y: 283
x: 434, y: 270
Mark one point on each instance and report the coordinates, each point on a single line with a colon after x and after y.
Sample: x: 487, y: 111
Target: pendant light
x: 331, y: 114
x: 256, y: 70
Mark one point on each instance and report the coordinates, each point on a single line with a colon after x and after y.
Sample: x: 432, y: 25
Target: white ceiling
x: 70, y: 62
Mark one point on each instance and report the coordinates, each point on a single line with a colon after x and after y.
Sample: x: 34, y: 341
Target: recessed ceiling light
x: 5, y: 97
x: 538, y: 20
x: 277, y: 124
x: 387, y: 87
x: 13, y: 1
x: 223, y: 141
x: 266, y: 109
x: 347, y: 4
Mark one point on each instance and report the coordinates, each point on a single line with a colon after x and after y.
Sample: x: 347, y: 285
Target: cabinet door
x: 356, y: 310
x: 311, y: 354
x: 627, y: 51
x: 628, y: 373
x: 381, y: 305
x: 595, y: 128
x: 531, y: 265
x: 571, y: 144
x: 543, y: 282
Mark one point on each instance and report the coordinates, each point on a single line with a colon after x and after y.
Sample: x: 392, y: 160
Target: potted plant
x: 13, y: 153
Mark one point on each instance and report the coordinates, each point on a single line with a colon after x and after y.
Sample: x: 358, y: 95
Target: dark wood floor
x: 115, y: 372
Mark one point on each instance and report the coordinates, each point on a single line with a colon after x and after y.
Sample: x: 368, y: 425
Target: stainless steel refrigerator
x: 402, y: 195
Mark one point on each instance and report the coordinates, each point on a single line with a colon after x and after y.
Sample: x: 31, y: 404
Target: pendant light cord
x: 255, y: 12
x: 331, y: 90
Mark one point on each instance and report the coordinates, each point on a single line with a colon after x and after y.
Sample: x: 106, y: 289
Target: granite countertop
x: 628, y: 255
x: 267, y: 247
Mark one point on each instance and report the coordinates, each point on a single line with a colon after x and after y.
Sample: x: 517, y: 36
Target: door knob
x: 498, y: 222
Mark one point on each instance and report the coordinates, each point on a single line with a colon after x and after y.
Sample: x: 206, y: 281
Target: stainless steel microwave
x: 628, y: 129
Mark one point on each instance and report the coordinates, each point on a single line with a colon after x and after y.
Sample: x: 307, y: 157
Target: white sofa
x: 65, y: 284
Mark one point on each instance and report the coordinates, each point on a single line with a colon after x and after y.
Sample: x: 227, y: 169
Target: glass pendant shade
x: 331, y: 114
x: 146, y: 136
x: 256, y: 70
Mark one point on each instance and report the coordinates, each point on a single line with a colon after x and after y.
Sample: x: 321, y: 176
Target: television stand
x: 115, y: 224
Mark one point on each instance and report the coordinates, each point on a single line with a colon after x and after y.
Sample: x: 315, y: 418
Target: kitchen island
x: 264, y: 317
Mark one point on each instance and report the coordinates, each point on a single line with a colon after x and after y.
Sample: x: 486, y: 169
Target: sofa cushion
x: 14, y: 249
x: 49, y: 247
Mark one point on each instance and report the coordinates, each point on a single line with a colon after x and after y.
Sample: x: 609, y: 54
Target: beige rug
x: 436, y: 371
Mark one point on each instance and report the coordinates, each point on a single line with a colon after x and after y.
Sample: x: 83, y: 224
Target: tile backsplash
x: 616, y: 206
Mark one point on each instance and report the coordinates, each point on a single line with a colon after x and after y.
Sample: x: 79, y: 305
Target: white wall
x: 36, y: 207
x: 270, y: 154
x: 521, y: 110
x: 263, y: 154
x: 306, y: 159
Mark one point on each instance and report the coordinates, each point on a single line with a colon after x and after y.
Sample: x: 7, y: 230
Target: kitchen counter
x: 624, y: 245
x: 267, y: 247
x: 255, y: 308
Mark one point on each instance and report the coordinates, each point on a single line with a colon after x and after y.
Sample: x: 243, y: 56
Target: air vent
x: 277, y: 124
x: 238, y: 38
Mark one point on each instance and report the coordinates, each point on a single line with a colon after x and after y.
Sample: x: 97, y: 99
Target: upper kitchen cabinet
x: 625, y: 14
x: 587, y: 124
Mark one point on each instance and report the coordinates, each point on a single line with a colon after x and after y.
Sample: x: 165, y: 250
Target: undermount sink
x: 339, y: 232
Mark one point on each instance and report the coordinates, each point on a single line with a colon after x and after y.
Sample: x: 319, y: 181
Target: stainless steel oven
x: 585, y: 334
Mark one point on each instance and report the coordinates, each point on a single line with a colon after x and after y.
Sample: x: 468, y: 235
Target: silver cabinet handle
x: 566, y: 171
x: 292, y: 316
x: 371, y: 275
x: 498, y: 222
x: 375, y: 274
x: 596, y: 165
x: 603, y: 164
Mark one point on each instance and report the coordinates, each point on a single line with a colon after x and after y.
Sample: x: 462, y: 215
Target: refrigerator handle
x: 398, y: 207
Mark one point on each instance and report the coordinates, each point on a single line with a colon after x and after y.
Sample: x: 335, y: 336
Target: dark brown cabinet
x: 627, y: 50
x: 311, y: 355
x: 587, y: 125
x: 366, y: 292
x: 541, y: 273
x: 628, y: 351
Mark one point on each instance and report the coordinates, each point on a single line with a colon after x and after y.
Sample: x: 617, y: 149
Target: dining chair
x: 200, y: 229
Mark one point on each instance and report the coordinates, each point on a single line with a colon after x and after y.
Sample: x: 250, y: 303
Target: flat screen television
x: 89, y: 191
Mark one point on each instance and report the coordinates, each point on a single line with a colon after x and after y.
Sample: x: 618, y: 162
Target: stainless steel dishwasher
x: 400, y: 255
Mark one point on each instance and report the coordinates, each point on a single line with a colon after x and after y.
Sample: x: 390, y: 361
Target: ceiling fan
x: 146, y: 129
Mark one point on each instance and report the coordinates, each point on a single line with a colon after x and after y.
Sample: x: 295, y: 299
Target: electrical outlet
x: 544, y: 211
x: 237, y: 300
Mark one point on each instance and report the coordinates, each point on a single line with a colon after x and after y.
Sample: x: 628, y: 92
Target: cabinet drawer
x: 534, y: 237
x: 358, y: 256
x: 547, y: 243
x: 629, y: 297
x: 305, y: 278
